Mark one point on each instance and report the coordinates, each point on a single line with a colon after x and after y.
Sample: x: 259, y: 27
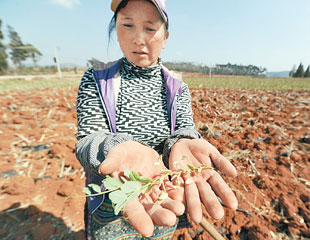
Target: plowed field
x: 266, y: 134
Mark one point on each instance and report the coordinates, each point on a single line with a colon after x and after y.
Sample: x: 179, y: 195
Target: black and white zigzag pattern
x: 90, y: 114
x: 141, y: 105
x: 184, y: 110
x: 141, y: 109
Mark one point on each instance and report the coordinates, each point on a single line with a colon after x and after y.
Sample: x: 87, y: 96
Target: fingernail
x: 197, y: 219
x: 148, y: 234
x: 219, y: 214
x: 234, y: 206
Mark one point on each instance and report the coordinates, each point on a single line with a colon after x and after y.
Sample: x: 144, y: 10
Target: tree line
x: 299, y: 72
x: 219, y: 69
x: 18, y: 51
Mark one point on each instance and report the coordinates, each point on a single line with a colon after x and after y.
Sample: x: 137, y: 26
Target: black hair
x: 123, y: 4
x: 112, y: 24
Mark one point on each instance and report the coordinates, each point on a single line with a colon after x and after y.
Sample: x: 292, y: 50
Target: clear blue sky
x: 270, y: 33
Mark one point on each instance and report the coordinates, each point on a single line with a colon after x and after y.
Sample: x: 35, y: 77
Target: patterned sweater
x: 141, y: 111
x: 141, y: 115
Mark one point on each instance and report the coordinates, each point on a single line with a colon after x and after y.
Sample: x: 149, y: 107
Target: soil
x: 265, y: 134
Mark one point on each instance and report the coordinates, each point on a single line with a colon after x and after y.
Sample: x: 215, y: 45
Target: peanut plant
x: 131, y: 185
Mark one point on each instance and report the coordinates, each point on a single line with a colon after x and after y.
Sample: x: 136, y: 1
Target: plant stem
x: 94, y: 194
x: 210, y: 229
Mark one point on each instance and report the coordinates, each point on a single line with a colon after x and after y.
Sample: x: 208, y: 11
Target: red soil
x: 266, y: 134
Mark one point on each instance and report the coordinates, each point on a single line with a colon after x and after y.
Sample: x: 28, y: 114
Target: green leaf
x: 95, y: 187
x: 144, y: 179
x: 133, y: 196
x: 118, y: 207
x: 207, y: 167
x: 112, y: 183
x: 86, y: 190
x: 191, y: 167
x: 133, y: 176
x: 146, y: 188
x: 123, y: 179
x: 126, y: 172
x: 130, y: 186
x: 137, y: 175
x: 117, y: 197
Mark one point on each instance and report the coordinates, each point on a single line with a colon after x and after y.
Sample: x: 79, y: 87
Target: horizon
x: 274, y: 36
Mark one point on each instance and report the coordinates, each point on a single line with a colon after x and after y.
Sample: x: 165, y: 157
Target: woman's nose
x: 139, y: 38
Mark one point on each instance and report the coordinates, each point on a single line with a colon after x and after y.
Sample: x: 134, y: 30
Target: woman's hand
x: 204, y: 187
x: 142, y: 213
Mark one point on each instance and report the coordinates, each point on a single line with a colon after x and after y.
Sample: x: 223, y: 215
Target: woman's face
x: 141, y: 33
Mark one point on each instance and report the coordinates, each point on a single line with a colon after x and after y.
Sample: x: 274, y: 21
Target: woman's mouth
x: 139, y: 53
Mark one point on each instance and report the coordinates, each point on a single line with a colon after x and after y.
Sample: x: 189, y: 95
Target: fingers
x: 155, y: 192
x: 209, y: 199
x: 193, y: 201
x: 222, y: 190
x: 138, y: 218
x: 113, y: 161
x: 178, y: 193
x: 174, y: 206
x: 116, y: 175
x: 175, y: 158
x: 199, y: 152
x: 159, y: 215
x: 174, y: 190
x: 108, y: 166
x: 206, y: 152
x: 223, y: 164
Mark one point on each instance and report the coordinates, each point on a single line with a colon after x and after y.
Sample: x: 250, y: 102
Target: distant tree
x: 307, y: 72
x: 18, y: 51
x: 3, y: 56
x: 33, y: 53
x: 221, y: 69
x: 234, y: 69
x: 300, y: 71
x: 292, y: 72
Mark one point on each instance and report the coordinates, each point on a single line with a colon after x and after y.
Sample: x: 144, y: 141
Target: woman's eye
x: 127, y: 25
x: 150, y: 29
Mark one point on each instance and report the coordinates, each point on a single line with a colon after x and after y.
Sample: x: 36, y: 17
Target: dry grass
x: 249, y: 83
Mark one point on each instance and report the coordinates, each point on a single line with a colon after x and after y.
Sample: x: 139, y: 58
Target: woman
x: 131, y: 111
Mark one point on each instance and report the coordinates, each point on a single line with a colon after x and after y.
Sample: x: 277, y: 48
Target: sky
x: 274, y: 34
